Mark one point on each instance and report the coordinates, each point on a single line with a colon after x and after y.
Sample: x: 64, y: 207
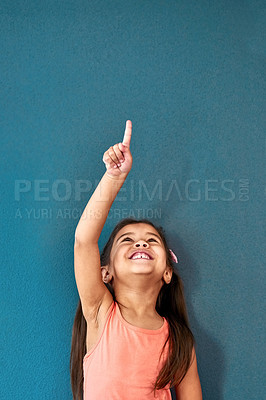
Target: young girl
x: 131, y: 338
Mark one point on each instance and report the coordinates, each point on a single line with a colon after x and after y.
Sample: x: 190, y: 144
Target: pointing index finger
x: 128, y: 132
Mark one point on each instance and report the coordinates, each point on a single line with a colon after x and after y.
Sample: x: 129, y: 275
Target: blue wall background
x: 190, y: 75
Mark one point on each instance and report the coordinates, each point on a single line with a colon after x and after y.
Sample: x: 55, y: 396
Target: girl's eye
x: 128, y: 238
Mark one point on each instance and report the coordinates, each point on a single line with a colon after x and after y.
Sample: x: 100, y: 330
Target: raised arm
x: 94, y: 215
x: 118, y: 161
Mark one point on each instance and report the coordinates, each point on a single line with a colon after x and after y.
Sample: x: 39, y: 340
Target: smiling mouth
x: 140, y: 256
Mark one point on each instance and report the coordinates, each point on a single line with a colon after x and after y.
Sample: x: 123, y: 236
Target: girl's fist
x: 118, y: 158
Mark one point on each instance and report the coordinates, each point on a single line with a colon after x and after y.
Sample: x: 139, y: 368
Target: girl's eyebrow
x: 132, y: 233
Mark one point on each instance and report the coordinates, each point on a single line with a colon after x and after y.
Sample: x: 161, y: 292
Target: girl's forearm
x: 96, y: 211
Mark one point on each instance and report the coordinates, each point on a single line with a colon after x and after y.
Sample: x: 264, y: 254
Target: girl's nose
x: 141, y: 243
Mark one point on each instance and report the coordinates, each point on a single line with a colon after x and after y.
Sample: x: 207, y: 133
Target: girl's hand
x: 118, y: 159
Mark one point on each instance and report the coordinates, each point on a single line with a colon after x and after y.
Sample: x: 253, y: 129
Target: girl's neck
x: 136, y: 304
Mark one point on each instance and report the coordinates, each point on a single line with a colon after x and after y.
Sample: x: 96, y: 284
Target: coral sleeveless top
x: 124, y: 363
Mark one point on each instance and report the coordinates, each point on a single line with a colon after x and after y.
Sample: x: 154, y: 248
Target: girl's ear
x: 106, y: 276
x: 167, y: 276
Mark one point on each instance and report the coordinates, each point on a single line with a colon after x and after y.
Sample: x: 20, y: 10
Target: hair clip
x: 173, y: 256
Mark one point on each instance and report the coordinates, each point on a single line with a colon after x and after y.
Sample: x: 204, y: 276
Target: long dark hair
x: 170, y: 304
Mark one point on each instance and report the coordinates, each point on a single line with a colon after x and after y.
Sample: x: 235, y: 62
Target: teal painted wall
x: 190, y: 75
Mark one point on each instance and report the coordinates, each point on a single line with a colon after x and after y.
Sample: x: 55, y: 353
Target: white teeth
x: 142, y: 255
